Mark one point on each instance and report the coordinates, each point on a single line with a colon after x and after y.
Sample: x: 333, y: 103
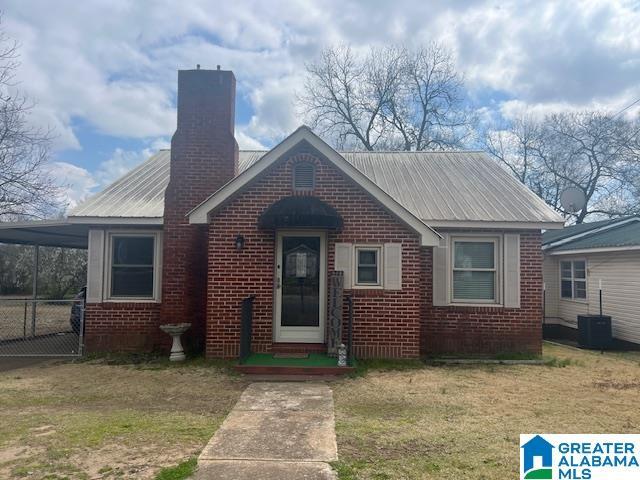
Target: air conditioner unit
x: 594, y: 331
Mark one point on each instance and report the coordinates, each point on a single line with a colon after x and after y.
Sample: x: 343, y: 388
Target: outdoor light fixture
x: 239, y: 242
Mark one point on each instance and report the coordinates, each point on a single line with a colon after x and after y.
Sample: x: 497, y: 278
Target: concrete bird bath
x: 176, y: 330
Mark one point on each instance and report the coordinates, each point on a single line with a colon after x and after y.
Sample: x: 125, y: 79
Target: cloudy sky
x: 103, y: 73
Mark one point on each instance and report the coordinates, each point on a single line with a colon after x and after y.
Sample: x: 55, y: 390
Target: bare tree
x: 26, y: 186
x: 593, y: 151
x: 389, y: 98
x: 62, y: 271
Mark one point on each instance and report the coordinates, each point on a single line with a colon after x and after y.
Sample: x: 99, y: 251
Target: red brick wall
x: 123, y: 327
x: 387, y: 323
x: 204, y: 156
x: 488, y: 330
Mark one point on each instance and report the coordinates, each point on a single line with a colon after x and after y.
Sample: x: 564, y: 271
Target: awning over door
x: 300, y: 212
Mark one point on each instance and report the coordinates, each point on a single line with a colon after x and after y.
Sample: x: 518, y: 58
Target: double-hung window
x: 132, y: 268
x: 368, y: 266
x: 475, y: 270
x: 573, y: 281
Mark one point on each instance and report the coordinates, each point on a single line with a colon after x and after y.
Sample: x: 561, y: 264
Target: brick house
x: 440, y: 252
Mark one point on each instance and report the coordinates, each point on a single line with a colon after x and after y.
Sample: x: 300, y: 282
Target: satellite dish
x: 573, y: 199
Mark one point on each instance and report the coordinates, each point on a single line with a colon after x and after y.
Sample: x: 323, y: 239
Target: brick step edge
x: 283, y: 370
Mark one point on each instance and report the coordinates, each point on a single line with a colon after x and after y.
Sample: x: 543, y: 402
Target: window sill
x: 367, y: 287
x: 131, y: 300
x: 475, y: 305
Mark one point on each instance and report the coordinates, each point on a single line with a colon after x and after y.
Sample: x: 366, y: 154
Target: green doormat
x: 290, y: 355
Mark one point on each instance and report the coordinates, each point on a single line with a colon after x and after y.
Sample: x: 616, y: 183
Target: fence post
x: 81, y: 331
x: 24, y: 321
x: 36, y: 261
x: 350, y: 330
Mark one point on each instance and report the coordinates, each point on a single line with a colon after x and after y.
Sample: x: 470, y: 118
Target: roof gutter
x: 582, y: 251
x: 116, y: 220
x: 491, y: 224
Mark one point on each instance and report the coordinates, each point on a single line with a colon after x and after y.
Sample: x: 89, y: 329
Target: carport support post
x: 34, y: 293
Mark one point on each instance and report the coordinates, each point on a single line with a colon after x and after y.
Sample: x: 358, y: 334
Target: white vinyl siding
x: 620, y: 276
x: 551, y: 285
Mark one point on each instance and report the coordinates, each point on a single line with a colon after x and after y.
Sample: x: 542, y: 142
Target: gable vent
x: 303, y: 176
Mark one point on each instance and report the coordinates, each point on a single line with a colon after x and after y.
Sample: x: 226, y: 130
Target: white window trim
x: 157, y: 266
x: 498, y: 262
x: 373, y: 286
x: 573, y: 279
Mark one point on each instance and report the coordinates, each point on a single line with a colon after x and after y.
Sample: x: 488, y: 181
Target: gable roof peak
x: 200, y: 214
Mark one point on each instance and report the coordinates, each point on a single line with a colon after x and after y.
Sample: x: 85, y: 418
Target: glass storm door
x: 300, y: 287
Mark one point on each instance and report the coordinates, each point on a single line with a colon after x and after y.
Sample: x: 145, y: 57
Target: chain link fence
x: 41, y: 327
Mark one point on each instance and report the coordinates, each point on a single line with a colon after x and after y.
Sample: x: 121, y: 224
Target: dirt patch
x: 123, y: 462
x: 92, y: 420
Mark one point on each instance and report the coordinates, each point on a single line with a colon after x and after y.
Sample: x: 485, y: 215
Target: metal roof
x: 434, y: 186
x: 622, y: 233
x: 557, y: 235
x: 48, y: 233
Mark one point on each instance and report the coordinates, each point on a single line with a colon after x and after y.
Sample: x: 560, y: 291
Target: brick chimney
x: 204, y: 156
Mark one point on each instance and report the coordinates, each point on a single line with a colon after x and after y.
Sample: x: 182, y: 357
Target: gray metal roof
x: 626, y: 234
x: 434, y: 186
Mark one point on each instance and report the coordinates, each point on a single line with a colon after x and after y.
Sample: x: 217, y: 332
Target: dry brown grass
x: 452, y: 421
x: 93, y: 420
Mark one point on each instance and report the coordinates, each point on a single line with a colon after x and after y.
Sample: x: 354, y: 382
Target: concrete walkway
x: 275, y: 431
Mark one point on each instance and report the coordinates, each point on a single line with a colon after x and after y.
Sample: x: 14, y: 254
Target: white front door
x: 301, y: 283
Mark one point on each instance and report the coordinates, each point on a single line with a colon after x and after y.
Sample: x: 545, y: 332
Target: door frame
x: 300, y: 334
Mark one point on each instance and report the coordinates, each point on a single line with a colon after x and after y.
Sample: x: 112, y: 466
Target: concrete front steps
x: 278, y: 364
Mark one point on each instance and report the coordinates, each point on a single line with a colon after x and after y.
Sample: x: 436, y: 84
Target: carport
x: 37, y: 327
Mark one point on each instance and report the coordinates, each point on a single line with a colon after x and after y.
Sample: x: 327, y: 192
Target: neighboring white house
x: 579, y: 260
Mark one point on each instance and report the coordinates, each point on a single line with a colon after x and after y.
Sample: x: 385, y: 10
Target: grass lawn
x: 450, y: 422
x: 96, y: 419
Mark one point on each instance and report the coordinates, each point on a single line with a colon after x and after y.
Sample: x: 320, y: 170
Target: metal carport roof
x: 46, y: 233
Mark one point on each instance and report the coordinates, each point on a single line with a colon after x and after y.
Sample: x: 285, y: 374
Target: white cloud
x: 246, y: 142
x: 275, y: 108
x: 112, y: 65
x: 75, y: 183
x: 120, y: 162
